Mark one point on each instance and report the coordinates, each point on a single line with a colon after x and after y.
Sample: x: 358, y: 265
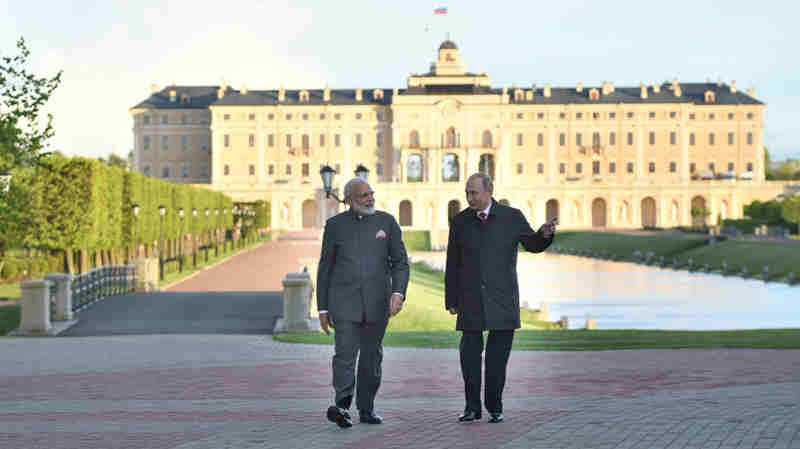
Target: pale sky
x: 111, y: 52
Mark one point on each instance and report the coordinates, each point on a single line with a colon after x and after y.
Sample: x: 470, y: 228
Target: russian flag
x: 440, y: 11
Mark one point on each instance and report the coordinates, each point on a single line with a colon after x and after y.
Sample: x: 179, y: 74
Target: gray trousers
x: 352, y: 338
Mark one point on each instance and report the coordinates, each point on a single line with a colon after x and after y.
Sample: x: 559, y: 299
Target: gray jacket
x: 363, y: 261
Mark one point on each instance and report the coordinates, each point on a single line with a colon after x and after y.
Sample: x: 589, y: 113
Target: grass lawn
x: 625, y: 244
x: 781, y: 258
x: 10, y: 291
x: 9, y: 318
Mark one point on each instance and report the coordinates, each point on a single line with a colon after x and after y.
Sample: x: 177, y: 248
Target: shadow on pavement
x: 180, y: 313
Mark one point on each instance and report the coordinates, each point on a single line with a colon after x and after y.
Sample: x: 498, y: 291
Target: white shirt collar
x: 488, y: 208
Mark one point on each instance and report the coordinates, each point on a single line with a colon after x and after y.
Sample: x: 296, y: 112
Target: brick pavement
x: 247, y: 391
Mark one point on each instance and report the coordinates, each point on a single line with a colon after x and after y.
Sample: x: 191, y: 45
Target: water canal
x: 621, y: 295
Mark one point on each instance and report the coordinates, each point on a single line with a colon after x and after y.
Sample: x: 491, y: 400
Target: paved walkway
x: 247, y: 391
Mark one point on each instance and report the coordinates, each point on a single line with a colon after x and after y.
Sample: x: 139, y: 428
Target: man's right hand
x: 324, y: 323
x: 453, y: 310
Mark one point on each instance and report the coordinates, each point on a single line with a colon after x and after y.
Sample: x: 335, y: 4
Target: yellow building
x: 604, y: 156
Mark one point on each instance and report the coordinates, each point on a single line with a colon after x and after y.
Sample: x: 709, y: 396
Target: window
x: 612, y: 138
x: 251, y: 140
x: 730, y: 115
x: 358, y: 116
x: 691, y: 139
x: 596, y: 139
x: 337, y: 116
x: 305, y: 169
x: 749, y: 138
x: 251, y: 169
x: 612, y: 115
x: 288, y: 116
x: 322, y: 116
x: 146, y: 143
x: 289, y: 140
x: 288, y: 169
x: 612, y: 167
x: 305, y: 116
x: 652, y: 114
x: 379, y: 168
x: 692, y: 167
x: 251, y: 117
x: 578, y: 139
x: 270, y: 116
x: 164, y: 120
x: 519, y: 139
x: 540, y: 139
x: 749, y: 166
x: 306, y: 141
x: 630, y: 114
x: 711, y: 116
x: 596, y: 167
x: 520, y: 116
x: 562, y: 168
x: 731, y: 166
x: 519, y: 168
x: 562, y: 139
x: 711, y: 166
x: 487, y: 139
x: 165, y: 172
x: 691, y: 116
x: 184, y: 143
x: 673, y: 137
x: 271, y: 169
x: 540, y: 168
x: 322, y: 140
x: 337, y: 140
x: 652, y: 138
x: 146, y: 170
x: 227, y: 140
x: 540, y: 115
x: 731, y: 138
x: 227, y: 170
x: 630, y: 167
x: 358, y: 140
x: 184, y: 119
x: 673, y: 167
x: 711, y: 138
x: 749, y: 116
x: 204, y: 171
x: 380, y: 116
x: 226, y: 117
x: 146, y: 119
x: 271, y: 140
x: 562, y: 116
x: 673, y: 114
x: 578, y: 167
x: 164, y: 141
x: 595, y: 115
x: 652, y: 167
x: 379, y: 140
x: 630, y: 138
x: 579, y: 115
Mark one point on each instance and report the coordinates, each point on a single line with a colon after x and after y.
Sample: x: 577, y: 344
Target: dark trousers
x: 498, y: 348
x: 353, y: 338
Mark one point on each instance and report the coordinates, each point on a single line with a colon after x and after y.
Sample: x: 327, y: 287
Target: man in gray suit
x: 361, y: 281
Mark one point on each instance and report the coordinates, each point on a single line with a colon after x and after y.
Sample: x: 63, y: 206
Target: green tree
x: 790, y: 210
x: 114, y: 161
x: 22, y: 96
x: 769, y: 173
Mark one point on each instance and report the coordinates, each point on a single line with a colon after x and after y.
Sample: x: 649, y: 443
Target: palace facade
x: 595, y: 156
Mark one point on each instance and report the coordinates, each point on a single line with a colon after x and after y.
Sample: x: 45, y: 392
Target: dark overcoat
x: 481, y: 273
x: 363, y: 261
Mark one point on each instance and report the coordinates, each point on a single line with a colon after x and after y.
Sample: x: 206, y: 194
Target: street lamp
x: 180, y: 248
x: 216, y: 233
x: 327, y: 173
x: 5, y: 175
x: 162, y: 211
x: 209, y: 234
x: 362, y: 172
x: 225, y: 236
x: 135, y: 209
x: 194, y: 239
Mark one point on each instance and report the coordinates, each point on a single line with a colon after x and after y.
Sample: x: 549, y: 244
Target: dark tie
x: 482, y: 216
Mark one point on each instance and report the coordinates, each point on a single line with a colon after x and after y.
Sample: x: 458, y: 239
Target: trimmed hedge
x: 417, y: 240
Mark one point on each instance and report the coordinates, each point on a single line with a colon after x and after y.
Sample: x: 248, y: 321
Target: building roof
x: 201, y: 97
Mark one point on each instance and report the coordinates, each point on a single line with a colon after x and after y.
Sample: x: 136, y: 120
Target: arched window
x: 414, y: 168
x: 453, y: 208
x: 450, y: 138
x: 450, y: 168
x: 486, y: 165
x: 306, y: 141
x: 413, y: 139
x: 487, y: 139
x: 405, y: 213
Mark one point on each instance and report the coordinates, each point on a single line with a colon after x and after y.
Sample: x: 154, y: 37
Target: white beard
x: 357, y: 208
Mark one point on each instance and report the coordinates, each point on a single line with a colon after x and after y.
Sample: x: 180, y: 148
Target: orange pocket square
x: 380, y: 235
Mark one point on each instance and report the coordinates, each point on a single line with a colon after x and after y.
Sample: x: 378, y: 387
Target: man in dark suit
x: 481, y: 287
x: 361, y: 280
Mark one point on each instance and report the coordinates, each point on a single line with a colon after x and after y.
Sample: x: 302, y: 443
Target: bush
x: 417, y: 240
x: 10, y: 269
x: 746, y: 226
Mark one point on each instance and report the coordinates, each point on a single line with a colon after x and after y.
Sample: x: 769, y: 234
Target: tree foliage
x: 790, y: 210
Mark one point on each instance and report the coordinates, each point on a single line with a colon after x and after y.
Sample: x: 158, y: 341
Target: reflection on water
x: 628, y: 296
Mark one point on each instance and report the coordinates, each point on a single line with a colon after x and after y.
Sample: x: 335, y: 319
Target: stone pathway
x: 205, y: 391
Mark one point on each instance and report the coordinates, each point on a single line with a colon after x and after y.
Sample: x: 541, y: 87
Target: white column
x: 35, y: 319
x: 551, y: 148
x: 639, y: 155
x: 63, y: 283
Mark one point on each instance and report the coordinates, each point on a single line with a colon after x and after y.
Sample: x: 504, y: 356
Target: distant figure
x: 481, y: 287
x: 361, y: 281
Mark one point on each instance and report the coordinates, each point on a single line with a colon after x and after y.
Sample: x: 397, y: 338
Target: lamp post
x: 327, y: 173
x: 180, y: 242
x: 209, y: 234
x: 135, y: 209
x: 362, y: 172
x: 194, y: 239
x: 216, y: 233
x: 162, y: 211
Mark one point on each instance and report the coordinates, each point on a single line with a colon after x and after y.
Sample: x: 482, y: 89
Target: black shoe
x: 369, y: 417
x: 340, y: 417
x: 470, y: 415
x: 496, y: 417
